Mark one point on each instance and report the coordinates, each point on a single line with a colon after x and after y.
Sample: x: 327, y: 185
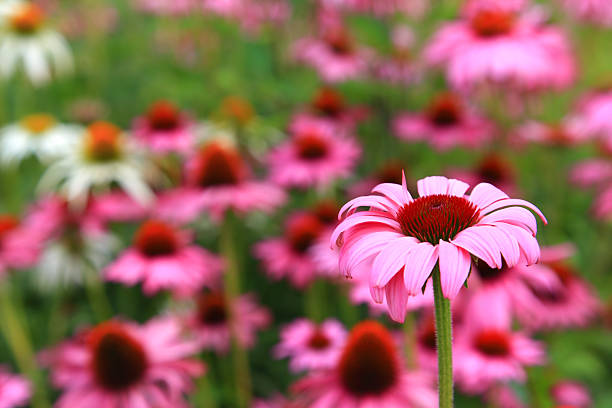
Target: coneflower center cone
x: 492, y: 23
x: 28, y: 19
x: 103, y: 142
x: 118, y: 360
x: 218, y: 165
x: 311, y: 146
x: 302, y: 231
x: 38, y: 123
x: 163, y: 115
x: 156, y: 238
x: 369, y: 364
x: 445, y: 110
x: 492, y: 342
x: 318, y: 340
x: 435, y: 217
x: 328, y: 102
x: 212, y: 309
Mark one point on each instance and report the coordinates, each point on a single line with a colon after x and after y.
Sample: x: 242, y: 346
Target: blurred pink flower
x: 217, y: 180
x: 164, y: 129
x: 565, y: 133
x: 311, y: 346
x: 404, y: 238
x: 289, y: 256
x: 368, y: 373
x: 20, y: 243
x: 328, y: 105
x: 597, y: 11
x: 15, y: 391
x: 493, y: 44
x: 213, y: 326
x: 596, y: 173
x: 445, y: 123
x: 166, y: 7
x: 592, y: 118
x: 162, y: 257
x: 120, y: 364
x: 571, y: 393
x: 315, y: 156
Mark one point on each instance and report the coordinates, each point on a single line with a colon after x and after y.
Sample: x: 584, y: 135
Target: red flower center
x: 318, y: 340
x: 391, y: 172
x: 327, y: 212
x: 302, y: 231
x: 494, y: 170
x: 118, y: 360
x: 492, y: 342
x: 28, y: 19
x: 219, y: 165
x: 103, y: 142
x: 212, y: 309
x: 488, y: 274
x: 328, y: 102
x: 369, y: 364
x: 492, y: 23
x: 339, y: 41
x: 435, y: 217
x: 445, y: 110
x: 163, y: 115
x: 38, y: 122
x: 564, y: 272
x: 156, y: 238
x: 427, y: 337
x: 7, y: 224
x: 311, y: 146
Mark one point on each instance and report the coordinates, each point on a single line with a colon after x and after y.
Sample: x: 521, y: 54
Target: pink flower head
x: 404, y: 238
x: 572, y: 394
x: 325, y: 258
x: 591, y: 118
x: 289, y: 256
x: 597, y: 11
x: 487, y: 351
x: 330, y: 106
x: 565, y: 133
x: 120, y: 364
x: 15, y: 391
x: 334, y: 54
x: 445, y: 123
x: 493, y: 44
x: 314, y: 156
x: 218, y: 180
x: 311, y: 346
x: 162, y: 257
x: 214, y: 323
x: 166, y: 7
x: 368, y: 373
x: 568, y: 302
x: 20, y: 243
x: 164, y: 128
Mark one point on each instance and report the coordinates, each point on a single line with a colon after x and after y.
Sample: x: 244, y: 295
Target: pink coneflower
x: 495, y: 45
x: 368, y: 373
x: 218, y: 180
x: 334, y: 54
x: 162, y: 257
x: 488, y: 352
x: 597, y: 11
x: 493, y: 169
x: 213, y: 328
x: 596, y: 173
x: 404, y: 238
x: 20, y: 244
x: 289, y: 256
x: 311, y: 346
x: 329, y: 105
x: 569, y: 303
x: 166, y: 7
x: 400, y: 67
x: 315, y: 156
x: 325, y: 258
x: 164, y: 128
x: 591, y: 118
x: 120, y: 364
x: 444, y: 124
x: 116, y: 206
x: 565, y: 133
x: 15, y: 391
x: 572, y: 394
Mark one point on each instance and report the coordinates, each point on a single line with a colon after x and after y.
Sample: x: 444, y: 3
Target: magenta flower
x: 369, y: 373
x: 162, y: 257
x: 15, y: 391
x: 404, y: 237
x: 571, y: 394
x: 120, y: 364
x: 311, y: 346
x: 597, y: 11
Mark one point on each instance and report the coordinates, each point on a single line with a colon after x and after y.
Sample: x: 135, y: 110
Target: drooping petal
x: 419, y: 263
x: 512, y: 202
x: 477, y: 241
x: 455, y: 264
x: 397, y: 298
x: 390, y: 261
x: 362, y: 217
x: 371, y: 201
x: 518, y: 216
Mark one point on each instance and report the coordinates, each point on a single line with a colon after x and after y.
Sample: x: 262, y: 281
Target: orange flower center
x: 302, y: 231
x: 445, y: 110
x: 118, y: 361
x: 27, y: 19
x: 435, y: 217
x: 218, y: 165
x: 163, y: 115
x: 493, y: 342
x: 318, y: 340
x: 492, y: 23
x: 212, y: 309
x: 156, y: 238
x: 237, y: 109
x: 328, y: 102
x: 38, y: 122
x: 369, y: 364
x: 103, y: 142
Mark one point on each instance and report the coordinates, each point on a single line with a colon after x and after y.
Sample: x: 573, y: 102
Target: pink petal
x: 362, y: 217
x: 397, y: 298
x: 518, y: 216
x: 394, y: 192
x: 419, y: 263
x: 558, y: 252
x: 377, y: 202
x: 432, y: 185
x: 455, y: 265
x: 478, y: 241
x: 457, y: 187
x: 390, y: 261
x: 510, y: 202
x: 485, y: 194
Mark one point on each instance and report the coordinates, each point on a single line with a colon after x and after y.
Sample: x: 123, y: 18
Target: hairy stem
x: 444, y: 334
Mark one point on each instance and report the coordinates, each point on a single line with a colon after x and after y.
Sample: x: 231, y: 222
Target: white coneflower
x: 37, y: 135
x: 102, y: 157
x: 26, y: 40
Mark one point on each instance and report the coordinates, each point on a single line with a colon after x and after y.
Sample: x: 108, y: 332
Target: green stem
x: 232, y: 291
x: 444, y: 334
x: 21, y: 347
x: 205, y: 397
x: 410, y: 341
x: 314, y: 298
x: 95, y: 292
